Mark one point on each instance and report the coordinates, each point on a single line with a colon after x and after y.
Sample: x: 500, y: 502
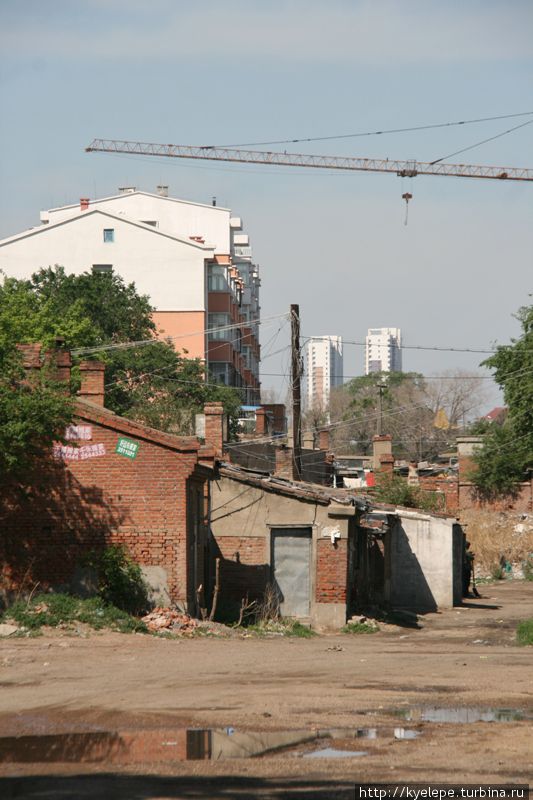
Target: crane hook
x: 406, y: 196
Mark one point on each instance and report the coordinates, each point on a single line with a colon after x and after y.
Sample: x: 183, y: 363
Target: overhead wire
x: 483, y: 141
x: 374, y: 133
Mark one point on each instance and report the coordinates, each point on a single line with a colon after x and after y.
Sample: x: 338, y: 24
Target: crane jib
x: 404, y: 169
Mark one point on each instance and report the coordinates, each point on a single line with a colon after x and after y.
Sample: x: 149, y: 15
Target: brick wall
x: 244, y: 571
x: 331, y: 571
x: 69, y: 507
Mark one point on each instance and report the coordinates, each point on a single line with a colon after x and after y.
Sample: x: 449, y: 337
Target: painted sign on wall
x: 125, y: 447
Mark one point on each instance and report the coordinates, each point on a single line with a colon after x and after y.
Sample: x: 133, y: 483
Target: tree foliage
x: 151, y: 382
x: 506, y: 457
x: 422, y: 416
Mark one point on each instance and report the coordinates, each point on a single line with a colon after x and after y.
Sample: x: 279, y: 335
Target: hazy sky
x: 225, y: 72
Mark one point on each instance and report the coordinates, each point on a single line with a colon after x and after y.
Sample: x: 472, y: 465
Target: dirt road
x: 418, y: 703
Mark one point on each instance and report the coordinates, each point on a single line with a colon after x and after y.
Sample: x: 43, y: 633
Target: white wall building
x: 191, y: 259
x: 324, y: 369
x: 383, y: 350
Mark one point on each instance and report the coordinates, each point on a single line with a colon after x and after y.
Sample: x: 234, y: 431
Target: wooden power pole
x: 296, y: 394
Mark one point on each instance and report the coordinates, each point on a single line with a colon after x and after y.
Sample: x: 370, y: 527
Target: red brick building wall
x: 91, y: 496
x: 331, y: 571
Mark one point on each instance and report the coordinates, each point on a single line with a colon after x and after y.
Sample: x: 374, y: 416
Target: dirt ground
x: 462, y: 658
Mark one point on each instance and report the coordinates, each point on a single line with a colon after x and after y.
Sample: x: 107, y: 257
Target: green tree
x: 506, y: 457
x: 150, y: 382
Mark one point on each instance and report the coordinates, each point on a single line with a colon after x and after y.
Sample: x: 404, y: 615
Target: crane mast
x: 404, y: 169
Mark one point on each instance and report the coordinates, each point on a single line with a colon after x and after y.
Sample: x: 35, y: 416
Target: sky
x: 236, y: 71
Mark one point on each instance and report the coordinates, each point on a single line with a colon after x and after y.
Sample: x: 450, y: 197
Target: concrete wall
x: 242, y: 518
x: 179, y: 217
x: 169, y: 271
x: 423, y: 562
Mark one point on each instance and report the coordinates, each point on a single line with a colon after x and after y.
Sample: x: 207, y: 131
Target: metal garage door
x: 291, y: 566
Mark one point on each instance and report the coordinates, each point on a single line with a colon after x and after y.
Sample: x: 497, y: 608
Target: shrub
x: 120, y: 580
x: 395, y: 490
x: 527, y: 569
x: 524, y: 632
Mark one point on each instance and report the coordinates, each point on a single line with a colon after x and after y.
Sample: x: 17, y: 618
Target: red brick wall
x: 331, y: 571
x: 447, y: 491
x: 69, y: 508
x: 247, y: 574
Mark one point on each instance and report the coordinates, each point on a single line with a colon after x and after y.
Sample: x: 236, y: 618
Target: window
x: 216, y: 321
x: 101, y: 268
x: 217, y: 280
x: 109, y: 234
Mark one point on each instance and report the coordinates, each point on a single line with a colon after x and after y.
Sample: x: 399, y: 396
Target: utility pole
x: 381, y: 386
x: 296, y: 393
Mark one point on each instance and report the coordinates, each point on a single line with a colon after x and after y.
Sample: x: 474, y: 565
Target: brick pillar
x: 386, y: 463
x: 31, y: 355
x: 261, y: 422
x: 214, y: 427
x: 308, y: 440
x: 283, y: 461
x: 92, y: 382
x: 59, y: 361
x: 412, y: 477
x: 323, y: 439
x: 381, y: 445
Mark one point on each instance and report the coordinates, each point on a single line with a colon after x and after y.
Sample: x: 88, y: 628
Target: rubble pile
x: 169, y: 619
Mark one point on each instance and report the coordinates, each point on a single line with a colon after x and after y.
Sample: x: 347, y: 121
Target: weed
x: 527, y: 569
x: 281, y: 627
x: 64, y: 609
x: 360, y: 627
x: 524, y: 632
x: 497, y: 572
x: 120, y: 580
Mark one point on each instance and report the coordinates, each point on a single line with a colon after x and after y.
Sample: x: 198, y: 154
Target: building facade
x: 324, y: 369
x: 383, y: 351
x: 193, y: 260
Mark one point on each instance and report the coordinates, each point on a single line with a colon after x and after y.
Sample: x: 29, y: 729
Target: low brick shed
x: 114, y: 482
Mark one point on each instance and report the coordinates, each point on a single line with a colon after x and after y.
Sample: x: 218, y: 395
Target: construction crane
x: 404, y: 169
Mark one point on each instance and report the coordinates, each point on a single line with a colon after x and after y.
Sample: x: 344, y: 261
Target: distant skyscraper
x: 324, y: 369
x: 383, y: 350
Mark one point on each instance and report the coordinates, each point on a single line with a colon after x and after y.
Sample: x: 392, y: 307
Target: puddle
x: 147, y: 746
x: 405, y: 733
x: 331, y: 752
x: 459, y: 715
x: 180, y: 744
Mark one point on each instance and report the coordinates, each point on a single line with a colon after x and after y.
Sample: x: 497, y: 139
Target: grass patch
x: 527, y: 569
x: 66, y: 610
x: 524, y: 632
x: 360, y: 627
x: 280, y: 627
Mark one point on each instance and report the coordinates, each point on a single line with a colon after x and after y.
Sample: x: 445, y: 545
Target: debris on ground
x: 169, y: 619
x: 8, y: 630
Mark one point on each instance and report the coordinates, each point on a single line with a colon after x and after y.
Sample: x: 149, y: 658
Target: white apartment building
x: 191, y: 259
x: 324, y: 369
x: 383, y: 350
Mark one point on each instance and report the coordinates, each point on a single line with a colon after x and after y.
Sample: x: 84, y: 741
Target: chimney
x: 381, y: 445
x: 412, y: 477
x: 308, y: 440
x: 92, y: 382
x: 466, y: 447
x: 323, y: 439
x: 60, y: 363
x: 283, y: 467
x: 31, y: 355
x: 84, y: 203
x: 261, y: 422
x: 214, y: 426
x: 386, y: 463
x: 162, y: 190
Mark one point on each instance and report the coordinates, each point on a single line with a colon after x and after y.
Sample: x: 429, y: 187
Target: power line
x: 142, y: 342
x: 425, y: 347
x: 483, y: 141
x: 375, y: 133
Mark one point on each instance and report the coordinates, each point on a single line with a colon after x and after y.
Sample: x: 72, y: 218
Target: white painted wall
x: 170, y: 272
x: 179, y: 217
x: 422, y: 563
